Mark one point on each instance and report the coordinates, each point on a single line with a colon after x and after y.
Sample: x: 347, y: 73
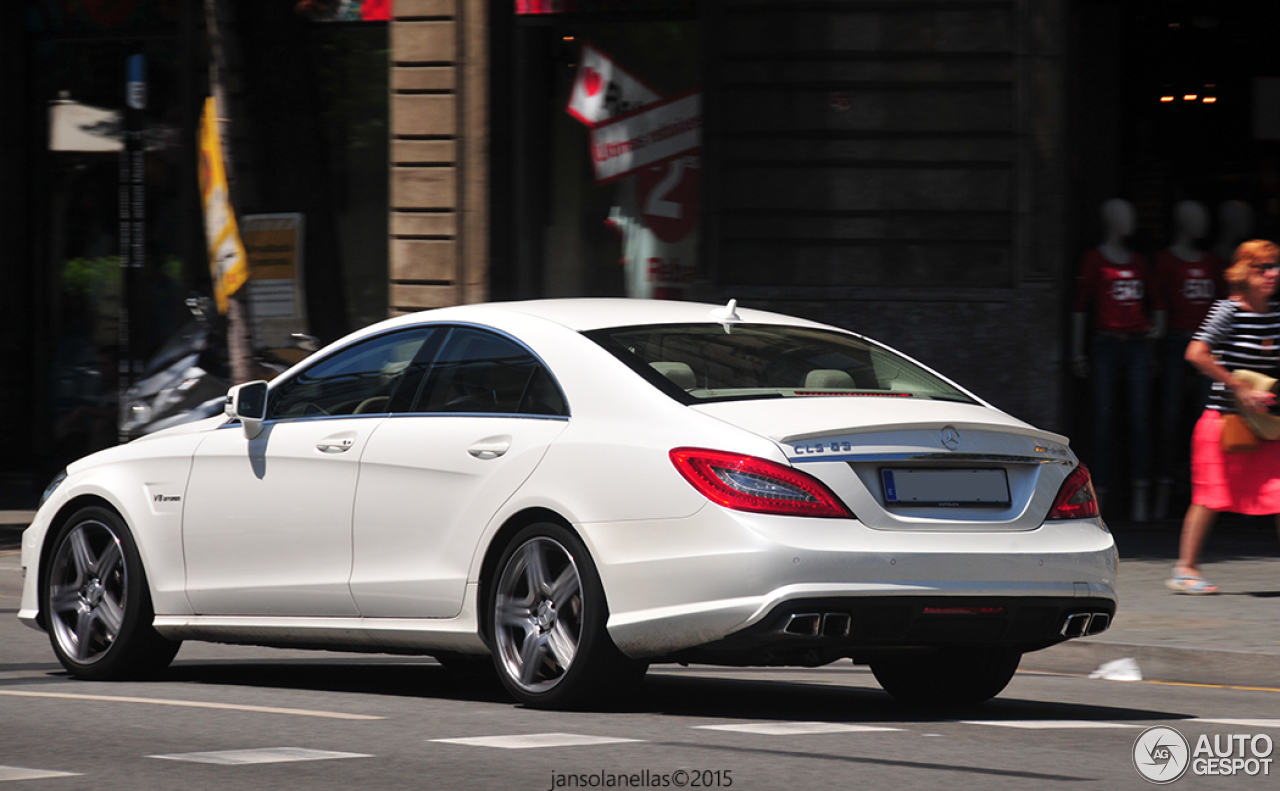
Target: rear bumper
x: 721, y: 581
x: 820, y: 630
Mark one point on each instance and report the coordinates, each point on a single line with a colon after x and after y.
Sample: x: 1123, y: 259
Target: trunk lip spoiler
x: 992, y: 458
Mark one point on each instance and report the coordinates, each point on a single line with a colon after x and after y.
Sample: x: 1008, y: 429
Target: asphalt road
x: 243, y: 718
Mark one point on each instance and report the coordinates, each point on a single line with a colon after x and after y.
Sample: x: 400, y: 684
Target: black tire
x: 949, y: 676
x: 547, y: 632
x: 96, y: 603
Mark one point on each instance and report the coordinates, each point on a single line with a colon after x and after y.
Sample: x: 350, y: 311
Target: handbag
x: 1237, y: 437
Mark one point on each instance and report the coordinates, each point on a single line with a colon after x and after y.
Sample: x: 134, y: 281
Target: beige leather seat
x: 828, y: 379
x: 680, y: 374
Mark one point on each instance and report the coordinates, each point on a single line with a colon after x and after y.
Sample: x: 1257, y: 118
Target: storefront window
x: 608, y: 163
x: 82, y: 87
x: 351, y: 63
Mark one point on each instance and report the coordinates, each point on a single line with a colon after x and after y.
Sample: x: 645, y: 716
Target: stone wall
x: 439, y: 156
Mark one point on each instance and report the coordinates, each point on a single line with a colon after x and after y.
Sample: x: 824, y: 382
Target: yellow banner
x: 228, y: 265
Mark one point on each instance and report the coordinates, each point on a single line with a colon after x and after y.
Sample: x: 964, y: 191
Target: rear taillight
x: 747, y: 483
x: 1076, y: 499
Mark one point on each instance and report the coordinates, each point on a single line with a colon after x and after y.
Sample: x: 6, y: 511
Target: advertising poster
x: 646, y: 149
x: 602, y: 89
x: 277, y: 302
x: 228, y: 265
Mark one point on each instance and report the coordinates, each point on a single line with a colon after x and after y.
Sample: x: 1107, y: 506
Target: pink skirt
x: 1243, y: 483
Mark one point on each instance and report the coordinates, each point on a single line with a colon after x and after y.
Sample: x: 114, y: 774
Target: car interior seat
x: 828, y: 379
x: 680, y: 374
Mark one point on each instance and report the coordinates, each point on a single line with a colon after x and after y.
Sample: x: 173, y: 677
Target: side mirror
x: 248, y: 404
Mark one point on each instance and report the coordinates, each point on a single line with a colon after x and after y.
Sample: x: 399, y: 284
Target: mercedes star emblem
x: 949, y: 437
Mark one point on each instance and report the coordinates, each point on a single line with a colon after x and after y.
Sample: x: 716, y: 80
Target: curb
x: 1163, y: 663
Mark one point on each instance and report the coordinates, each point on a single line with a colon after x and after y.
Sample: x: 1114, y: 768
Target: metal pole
x: 133, y: 217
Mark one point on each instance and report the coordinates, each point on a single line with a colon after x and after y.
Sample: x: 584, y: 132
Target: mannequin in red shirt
x: 1186, y: 280
x: 1112, y: 285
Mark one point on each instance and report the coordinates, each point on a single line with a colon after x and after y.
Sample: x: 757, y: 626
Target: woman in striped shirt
x: 1242, y: 332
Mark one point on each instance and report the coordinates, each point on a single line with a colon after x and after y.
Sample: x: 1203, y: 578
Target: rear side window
x: 480, y: 372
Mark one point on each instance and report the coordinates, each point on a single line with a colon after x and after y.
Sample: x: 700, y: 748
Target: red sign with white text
x: 654, y: 134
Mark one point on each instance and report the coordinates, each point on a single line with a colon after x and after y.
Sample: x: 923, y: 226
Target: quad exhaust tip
x: 813, y: 624
x: 1082, y: 624
x: 837, y: 624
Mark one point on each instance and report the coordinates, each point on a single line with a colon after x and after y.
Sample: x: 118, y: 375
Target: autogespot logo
x: 1160, y: 754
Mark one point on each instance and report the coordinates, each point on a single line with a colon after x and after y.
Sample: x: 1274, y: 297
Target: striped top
x: 1239, y: 339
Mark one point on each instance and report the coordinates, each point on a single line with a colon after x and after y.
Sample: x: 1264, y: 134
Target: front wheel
x: 96, y: 603
x: 948, y: 676
x: 550, y: 643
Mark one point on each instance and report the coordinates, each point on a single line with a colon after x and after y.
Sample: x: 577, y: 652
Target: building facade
x: 926, y: 172
x: 897, y: 168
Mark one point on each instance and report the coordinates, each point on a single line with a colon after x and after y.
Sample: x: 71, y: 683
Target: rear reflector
x: 1076, y: 499
x: 748, y: 483
x: 964, y: 611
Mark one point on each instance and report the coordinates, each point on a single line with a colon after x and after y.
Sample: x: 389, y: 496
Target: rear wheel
x: 96, y: 601
x: 949, y: 676
x: 550, y: 643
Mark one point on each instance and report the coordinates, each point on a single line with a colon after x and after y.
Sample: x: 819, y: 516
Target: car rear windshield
x: 698, y: 363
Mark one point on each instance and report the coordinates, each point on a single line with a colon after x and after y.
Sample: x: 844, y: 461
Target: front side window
x: 712, y: 362
x: 360, y: 380
x: 483, y: 373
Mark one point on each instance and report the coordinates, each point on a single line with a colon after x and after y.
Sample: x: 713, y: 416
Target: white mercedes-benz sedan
x: 580, y: 488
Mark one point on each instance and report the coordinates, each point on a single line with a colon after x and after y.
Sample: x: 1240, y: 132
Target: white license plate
x: 945, y: 487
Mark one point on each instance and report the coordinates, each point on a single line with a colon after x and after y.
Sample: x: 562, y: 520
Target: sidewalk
x: 1232, y: 638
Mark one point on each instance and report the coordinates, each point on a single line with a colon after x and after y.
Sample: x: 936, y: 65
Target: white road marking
x: 526, y: 740
x: 1048, y: 724
x: 1244, y: 723
x: 193, y: 704
x: 795, y: 728
x: 19, y: 773
x: 266, y: 755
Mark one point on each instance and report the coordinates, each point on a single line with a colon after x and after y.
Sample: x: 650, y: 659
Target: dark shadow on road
x: 22, y: 667
x: 807, y: 702
x: 663, y: 693
x: 11, y: 536
x: 395, y: 676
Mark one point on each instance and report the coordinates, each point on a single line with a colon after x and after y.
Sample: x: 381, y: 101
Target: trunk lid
x: 905, y: 463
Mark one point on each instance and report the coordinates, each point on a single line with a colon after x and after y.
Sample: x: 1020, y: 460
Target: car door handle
x: 490, y: 448
x: 335, y: 445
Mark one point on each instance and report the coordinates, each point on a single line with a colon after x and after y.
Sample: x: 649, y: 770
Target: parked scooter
x: 186, y: 380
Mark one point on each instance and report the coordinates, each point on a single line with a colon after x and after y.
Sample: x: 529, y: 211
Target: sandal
x: 1192, y: 584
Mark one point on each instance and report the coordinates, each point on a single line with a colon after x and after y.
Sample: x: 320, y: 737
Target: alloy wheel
x: 538, y: 615
x: 88, y: 591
